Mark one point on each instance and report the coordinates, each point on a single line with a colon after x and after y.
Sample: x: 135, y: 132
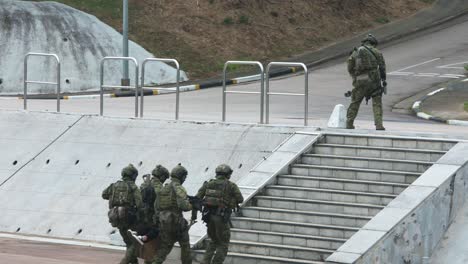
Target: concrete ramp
x: 58, y: 193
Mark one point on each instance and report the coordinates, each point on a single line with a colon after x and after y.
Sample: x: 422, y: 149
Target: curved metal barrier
x: 262, y: 86
x: 305, y: 94
x: 177, y: 89
x: 102, y: 86
x: 26, y: 81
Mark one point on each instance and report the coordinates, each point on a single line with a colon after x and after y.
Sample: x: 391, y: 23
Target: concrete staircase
x: 328, y: 194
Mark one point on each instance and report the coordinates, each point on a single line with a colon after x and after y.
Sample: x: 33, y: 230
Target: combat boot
x: 349, y: 125
x: 379, y: 127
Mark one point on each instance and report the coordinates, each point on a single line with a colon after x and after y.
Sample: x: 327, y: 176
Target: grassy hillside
x: 203, y: 34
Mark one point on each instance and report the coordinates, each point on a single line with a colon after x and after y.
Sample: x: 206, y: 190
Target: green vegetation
x: 466, y: 106
x: 243, y: 19
x: 466, y: 67
x: 228, y: 21
x: 382, y: 20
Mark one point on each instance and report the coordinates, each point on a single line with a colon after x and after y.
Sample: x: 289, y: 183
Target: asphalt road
x: 414, y: 65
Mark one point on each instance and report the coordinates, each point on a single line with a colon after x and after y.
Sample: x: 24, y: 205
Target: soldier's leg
x: 130, y: 253
x: 378, y: 112
x: 185, y: 251
x: 167, y: 243
x: 357, y: 96
x: 223, y: 233
x: 211, y: 248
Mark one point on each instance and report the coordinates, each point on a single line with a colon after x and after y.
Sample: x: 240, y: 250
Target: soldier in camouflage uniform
x: 221, y: 197
x: 150, y: 189
x: 367, y: 67
x: 125, y: 204
x: 171, y: 201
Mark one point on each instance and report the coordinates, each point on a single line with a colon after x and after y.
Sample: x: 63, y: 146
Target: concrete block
x: 408, y: 144
x: 458, y: 155
x: 335, y: 139
x: 386, y: 219
x: 345, y: 151
x: 338, y: 117
x: 361, y: 241
x: 380, y: 142
x: 296, y: 143
x: 412, y: 197
x: 360, y: 141
x: 371, y: 153
x: 436, y: 175
x: 343, y: 257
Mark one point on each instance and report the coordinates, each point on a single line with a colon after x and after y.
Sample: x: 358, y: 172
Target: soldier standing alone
x: 221, y: 197
x: 171, y: 201
x: 367, y: 67
x: 125, y: 204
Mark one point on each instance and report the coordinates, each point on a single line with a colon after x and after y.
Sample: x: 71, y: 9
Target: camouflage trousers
x: 219, y: 233
x: 130, y: 253
x: 174, y: 228
x: 361, y: 90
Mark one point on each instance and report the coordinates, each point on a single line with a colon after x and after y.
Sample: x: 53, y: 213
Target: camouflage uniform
x: 367, y: 71
x: 221, y: 197
x: 125, y: 193
x: 170, y: 203
x: 150, y: 189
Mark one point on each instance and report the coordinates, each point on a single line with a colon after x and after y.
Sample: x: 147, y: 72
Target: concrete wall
x: 411, y: 226
x: 79, y: 39
x: 58, y: 193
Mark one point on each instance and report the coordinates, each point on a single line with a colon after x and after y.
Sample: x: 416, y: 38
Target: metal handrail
x: 26, y: 81
x: 102, y: 86
x: 262, y: 86
x: 305, y: 94
x: 177, y: 89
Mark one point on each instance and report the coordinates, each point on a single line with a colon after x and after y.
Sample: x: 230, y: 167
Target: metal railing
x: 305, y: 94
x: 26, y: 81
x: 102, y: 86
x: 262, y: 86
x: 177, y: 89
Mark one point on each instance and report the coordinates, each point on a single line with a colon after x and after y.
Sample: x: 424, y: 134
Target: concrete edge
x: 385, y: 223
x: 419, y: 113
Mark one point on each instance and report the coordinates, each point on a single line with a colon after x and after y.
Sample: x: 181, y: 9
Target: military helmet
x: 130, y: 172
x: 224, y: 170
x: 179, y: 172
x: 371, y: 40
x: 161, y: 173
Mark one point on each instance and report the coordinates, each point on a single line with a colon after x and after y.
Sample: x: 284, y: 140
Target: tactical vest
x: 215, y: 195
x: 148, y: 194
x: 365, y: 61
x: 121, y: 194
x: 167, y: 198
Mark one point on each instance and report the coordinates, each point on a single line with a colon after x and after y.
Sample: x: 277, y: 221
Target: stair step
x: 236, y: 258
x: 366, y: 162
x: 378, y: 152
x: 318, y: 205
x: 389, y: 141
x: 342, y: 184
x: 306, y: 216
x: 329, y: 194
x: 312, y: 229
x: 282, y: 251
x: 287, y: 239
x: 354, y: 173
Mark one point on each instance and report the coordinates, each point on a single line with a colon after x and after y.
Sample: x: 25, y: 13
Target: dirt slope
x: 203, y: 34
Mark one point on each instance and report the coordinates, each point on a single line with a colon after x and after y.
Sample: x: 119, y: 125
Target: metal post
x: 102, y: 86
x: 305, y: 94
x: 26, y: 81
x: 125, y: 79
x: 177, y: 89
x: 262, y: 86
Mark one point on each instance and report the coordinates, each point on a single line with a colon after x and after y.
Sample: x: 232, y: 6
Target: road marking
x: 451, y: 66
x: 401, y: 73
x: 416, y: 65
x: 455, y: 75
x: 449, y: 76
x: 466, y: 80
x: 435, y: 92
x: 426, y: 75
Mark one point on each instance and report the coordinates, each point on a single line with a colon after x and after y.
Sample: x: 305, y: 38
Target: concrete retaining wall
x: 411, y: 226
x: 58, y: 193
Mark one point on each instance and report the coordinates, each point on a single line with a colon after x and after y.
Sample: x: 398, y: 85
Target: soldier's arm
x: 137, y: 197
x: 182, y: 199
x: 383, y: 66
x: 107, y: 193
x: 352, y: 64
x: 237, y: 194
x: 202, y: 191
